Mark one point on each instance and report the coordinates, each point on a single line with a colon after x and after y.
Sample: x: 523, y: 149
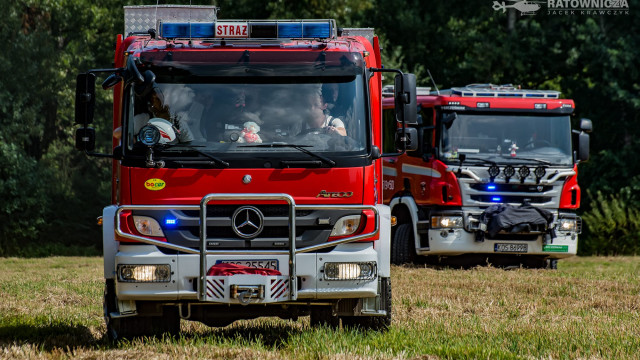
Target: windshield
x: 321, y: 114
x: 507, y: 138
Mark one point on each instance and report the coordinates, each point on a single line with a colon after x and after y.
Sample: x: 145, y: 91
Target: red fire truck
x: 494, y: 178
x: 247, y: 174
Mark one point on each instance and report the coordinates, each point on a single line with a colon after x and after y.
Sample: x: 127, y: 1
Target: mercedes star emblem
x: 247, y: 222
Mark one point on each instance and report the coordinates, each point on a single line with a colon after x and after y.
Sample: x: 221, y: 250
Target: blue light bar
x: 491, y: 187
x: 170, y: 221
x: 187, y: 30
x: 256, y: 29
x: 496, y: 199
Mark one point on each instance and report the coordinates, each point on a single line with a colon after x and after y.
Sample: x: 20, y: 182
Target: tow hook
x: 244, y: 293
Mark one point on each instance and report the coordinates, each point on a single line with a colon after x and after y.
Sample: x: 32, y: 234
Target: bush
x: 23, y: 190
x: 612, y: 225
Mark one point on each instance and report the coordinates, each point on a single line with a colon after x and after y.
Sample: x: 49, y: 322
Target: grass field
x: 588, y: 308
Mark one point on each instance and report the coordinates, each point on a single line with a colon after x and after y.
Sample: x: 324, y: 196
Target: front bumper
x: 185, y: 273
x: 301, y: 269
x: 460, y: 241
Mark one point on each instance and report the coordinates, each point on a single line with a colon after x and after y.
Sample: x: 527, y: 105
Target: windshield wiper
x: 476, y: 160
x: 300, y: 148
x: 539, y: 161
x: 192, y: 148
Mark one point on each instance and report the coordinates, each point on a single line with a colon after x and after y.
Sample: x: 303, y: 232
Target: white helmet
x: 167, y: 132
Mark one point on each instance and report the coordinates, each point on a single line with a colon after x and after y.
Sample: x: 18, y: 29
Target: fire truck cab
x: 246, y: 172
x: 494, y: 178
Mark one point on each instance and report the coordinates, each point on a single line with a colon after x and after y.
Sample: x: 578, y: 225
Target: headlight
x: 350, y: 271
x: 570, y: 225
x: 446, y: 222
x: 144, y: 273
x: 147, y: 226
x: 346, y: 225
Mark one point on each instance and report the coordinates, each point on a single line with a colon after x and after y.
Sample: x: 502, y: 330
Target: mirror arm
x: 99, y: 155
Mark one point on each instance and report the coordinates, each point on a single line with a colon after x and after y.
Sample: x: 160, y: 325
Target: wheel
x: 403, y: 249
x: 377, y: 323
x: 135, y: 326
x: 553, y: 264
x: 323, y: 316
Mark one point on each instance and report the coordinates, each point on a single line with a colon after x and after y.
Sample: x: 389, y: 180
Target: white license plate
x: 514, y: 248
x: 265, y: 264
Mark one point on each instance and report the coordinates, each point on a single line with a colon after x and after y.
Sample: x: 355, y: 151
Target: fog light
x: 446, y: 222
x: 144, y: 273
x: 509, y: 171
x: 567, y: 225
x: 350, y: 271
x: 494, y: 171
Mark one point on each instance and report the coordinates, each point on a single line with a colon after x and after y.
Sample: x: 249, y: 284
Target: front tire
x: 136, y: 326
x: 403, y: 248
x: 376, y: 323
x: 323, y: 316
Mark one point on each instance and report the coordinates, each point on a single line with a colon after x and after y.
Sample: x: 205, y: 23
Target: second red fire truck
x: 494, y: 178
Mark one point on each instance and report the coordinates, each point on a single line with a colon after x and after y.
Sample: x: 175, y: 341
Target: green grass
x: 588, y: 308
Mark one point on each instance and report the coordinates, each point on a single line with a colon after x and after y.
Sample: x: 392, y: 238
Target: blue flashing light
x: 188, y: 30
x: 170, y: 221
x: 290, y: 30
x: 491, y: 187
x: 496, y: 199
x: 316, y: 30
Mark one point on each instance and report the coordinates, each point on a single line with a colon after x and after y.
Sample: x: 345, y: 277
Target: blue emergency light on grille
x: 253, y: 29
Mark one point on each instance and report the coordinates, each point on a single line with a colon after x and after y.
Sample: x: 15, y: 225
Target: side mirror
x: 143, y: 89
x: 405, y: 99
x: 448, y: 119
x: 85, y: 98
x: 586, y: 125
x: 132, y: 74
x: 85, y: 139
x: 583, y: 146
x: 407, y: 139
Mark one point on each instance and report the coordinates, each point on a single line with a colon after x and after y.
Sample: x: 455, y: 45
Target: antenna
x: 433, y: 82
x: 155, y: 20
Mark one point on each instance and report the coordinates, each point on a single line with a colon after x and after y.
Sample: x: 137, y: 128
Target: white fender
x: 383, y: 244
x: 109, y: 244
x: 413, y: 211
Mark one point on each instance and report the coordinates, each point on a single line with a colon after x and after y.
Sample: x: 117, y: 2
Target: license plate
x: 265, y: 264
x: 515, y: 248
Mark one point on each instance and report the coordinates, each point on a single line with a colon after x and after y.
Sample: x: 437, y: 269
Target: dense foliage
x: 51, y: 193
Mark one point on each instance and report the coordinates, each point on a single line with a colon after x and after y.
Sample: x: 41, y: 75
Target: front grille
x: 268, y: 232
x: 511, y: 199
x: 519, y: 188
x: 227, y: 211
x: 312, y: 226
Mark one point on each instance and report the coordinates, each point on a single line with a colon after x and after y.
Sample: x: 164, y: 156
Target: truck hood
x: 188, y: 186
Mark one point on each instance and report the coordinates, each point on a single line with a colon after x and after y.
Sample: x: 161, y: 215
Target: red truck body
x: 230, y: 200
